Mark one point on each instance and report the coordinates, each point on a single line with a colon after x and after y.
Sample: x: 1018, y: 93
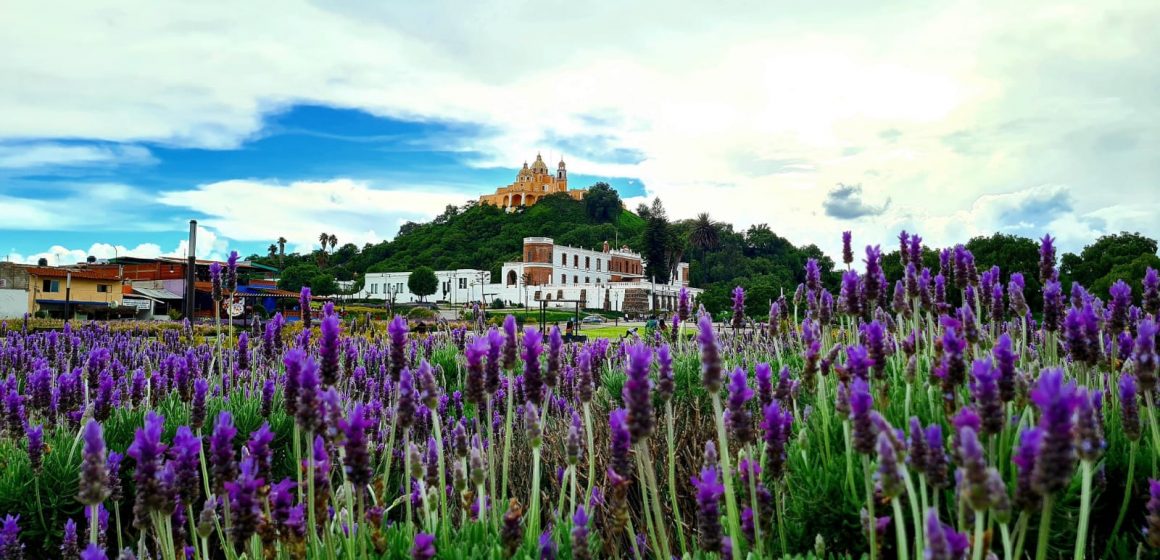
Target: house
x: 13, y: 290
x: 81, y: 292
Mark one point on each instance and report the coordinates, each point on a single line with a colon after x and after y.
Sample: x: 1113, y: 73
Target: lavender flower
x: 185, y: 457
x: 148, y: 451
x: 308, y: 411
x: 304, y: 298
x: 555, y: 345
x: 197, y: 406
x: 10, y: 545
x: 666, y: 385
x: 709, y: 493
x: 1088, y: 425
x: 863, y: 426
x: 1005, y: 359
x: 871, y: 280
x: 740, y: 421
x: 763, y: 373
x: 245, y: 504
x: 328, y: 349
x: 405, y: 406
x: 1046, y: 259
x: 1121, y: 300
x: 1144, y: 356
x: 710, y: 356
x: 357, y: 460
x: 222, y: 459
x: 849, y: 294
x: 397, y: 331
x: 258, y: 447
x: 943, y: 542
x: 68, y: 544
x: 510, y: 341
x: 580, y: 534
x: 738, y: 306
x: 847, y: 249
x: 1129, y: 407
x: 93, y: 486
x: 533, y: 379
x: 215, y: 279
x: 232, y: 272
x: 1151, y: 297
x: 620, y: 443
x: 36, y: 447
x: 1057, y: 403
x: 683, y: 304
x: 1026, y: 451
x: 636, y: 391
x: 474, y: 354
x: 985, y: 392
x: 889, y: 473
x: 1052, y: 306
x: 936, y: 459
x: 584, y: 381
x: 512, y: 530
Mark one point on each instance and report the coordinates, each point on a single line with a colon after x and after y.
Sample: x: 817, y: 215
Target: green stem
x: 727, y: 475
x: 1021, y: 533
x: 442, y: 468
x: 650, y: 477
x: 490, y: 463
x: 872, y: 525
x: 533, y: 532
x: 507, y: 439
x: 752, y: 476
x: 650, y: 526
x: 406, y: 476
x: 779, y: 506
x: 977, y: 544
x: 1044, y: 528
x: 673, y: 478
x: 916, y: 515
x: 591, y: 449
x: 1085, y: 510
x: 899, y: 529
x: 93, y: 524
x: 1127, y: 492
x: 849, y: 457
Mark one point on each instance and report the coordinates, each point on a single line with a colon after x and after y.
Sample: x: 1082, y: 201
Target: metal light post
x: 67, y: 296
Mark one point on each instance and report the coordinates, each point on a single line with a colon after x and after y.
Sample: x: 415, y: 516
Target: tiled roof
x: 89, y: 274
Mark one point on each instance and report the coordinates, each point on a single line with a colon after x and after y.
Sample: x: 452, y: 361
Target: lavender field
x: 927, y: 416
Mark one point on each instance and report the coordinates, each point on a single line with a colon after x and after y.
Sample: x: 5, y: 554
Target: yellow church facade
x: 532, y: 183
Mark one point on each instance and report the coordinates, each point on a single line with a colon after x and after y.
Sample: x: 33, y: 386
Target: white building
x: 560, y: 276
x: 455, y: 286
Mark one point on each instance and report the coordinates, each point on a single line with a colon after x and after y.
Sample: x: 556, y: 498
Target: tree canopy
x: 422, y: 282
x: 602, y: 203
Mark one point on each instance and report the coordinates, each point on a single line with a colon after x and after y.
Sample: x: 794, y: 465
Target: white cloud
x: 353, y: 211
x: 31, y: 155
x: 934, y: 106
x: 209, y: 246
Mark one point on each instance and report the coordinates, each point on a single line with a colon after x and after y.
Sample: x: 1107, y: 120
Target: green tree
x: 294, y: 277
x: 659, y: 244
x: 602, y: 203
x: 422, y: 282
x: 1097, y: 260
x: 704, y: 233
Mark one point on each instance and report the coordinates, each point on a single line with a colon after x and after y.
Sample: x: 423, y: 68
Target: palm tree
x: 324, y: 239
x: 273, y: 249
x: 281, y: 246
x: 704, y: 234
x: 333, y: 241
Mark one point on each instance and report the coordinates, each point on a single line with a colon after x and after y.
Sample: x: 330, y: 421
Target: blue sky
x: 295, y: 144
x: 950, y: 119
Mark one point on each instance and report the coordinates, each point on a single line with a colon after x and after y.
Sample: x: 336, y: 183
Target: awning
x: 156, y: 294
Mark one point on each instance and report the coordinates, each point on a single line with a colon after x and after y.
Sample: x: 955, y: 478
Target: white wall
x: 13, y: 303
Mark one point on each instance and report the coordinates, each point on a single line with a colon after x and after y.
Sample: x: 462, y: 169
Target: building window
x: 597, y: 265
x: 575, y: 279
x: 587, y: 262
x: 462, y: 283
x: 563, y: 278
x: 587, y: 280
x: 563, y: 259
x: 576, y: 261
x: 102, y: 288
x: 50, y: 286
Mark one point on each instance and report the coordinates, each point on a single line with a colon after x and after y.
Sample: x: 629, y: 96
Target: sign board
x: 138, y: 304
x: 237, y: 308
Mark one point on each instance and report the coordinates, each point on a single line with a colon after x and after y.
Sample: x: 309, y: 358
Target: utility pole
x: 190, y: 271
x: 67, y: 296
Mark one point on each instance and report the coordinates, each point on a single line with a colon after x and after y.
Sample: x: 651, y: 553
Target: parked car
x: 594, y: 319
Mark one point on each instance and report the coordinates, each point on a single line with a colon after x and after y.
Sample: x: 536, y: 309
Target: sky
x: 121, y: 121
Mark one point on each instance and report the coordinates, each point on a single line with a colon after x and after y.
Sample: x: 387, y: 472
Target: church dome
x: 539, y: 166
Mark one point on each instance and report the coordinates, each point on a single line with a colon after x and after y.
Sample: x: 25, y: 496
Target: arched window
x: 511, y: 278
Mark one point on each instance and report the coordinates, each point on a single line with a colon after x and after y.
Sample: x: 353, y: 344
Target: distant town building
x: 532, y: 183
x: 562, y: 276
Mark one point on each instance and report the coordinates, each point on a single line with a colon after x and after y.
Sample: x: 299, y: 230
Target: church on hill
x: 532, y: 183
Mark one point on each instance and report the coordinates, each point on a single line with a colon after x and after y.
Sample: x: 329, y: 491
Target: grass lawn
x: 605, y: 331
